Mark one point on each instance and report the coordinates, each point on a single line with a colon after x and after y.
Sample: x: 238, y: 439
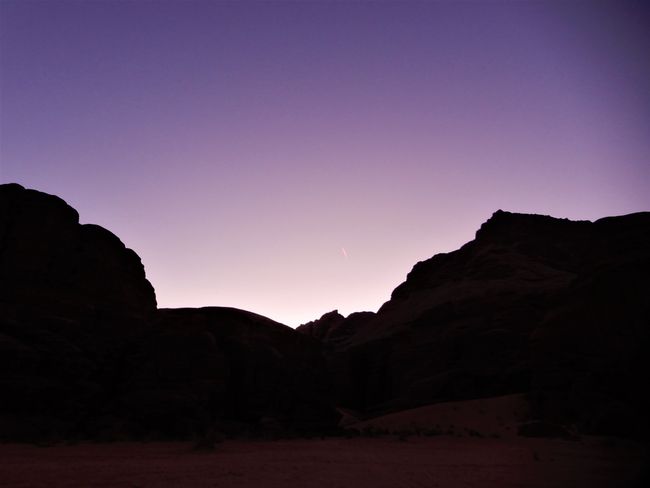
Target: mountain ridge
x: 549, y: 308
x: 511, y: 311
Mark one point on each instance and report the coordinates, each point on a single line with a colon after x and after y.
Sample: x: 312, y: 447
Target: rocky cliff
x: 549, y: 307
x: 72, y: 298
x: 552, y: 308
x: 85, y: 353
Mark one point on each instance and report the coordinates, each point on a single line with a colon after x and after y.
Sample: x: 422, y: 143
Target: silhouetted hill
x: 227, y: 367
x: 551, y: 307
x: 85, y: 353
x: 554, y: 309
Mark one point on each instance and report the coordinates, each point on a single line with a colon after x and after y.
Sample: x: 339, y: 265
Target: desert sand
x: 486, y: 417
x: 390, y: 461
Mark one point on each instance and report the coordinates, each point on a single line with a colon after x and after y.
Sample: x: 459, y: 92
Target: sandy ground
x: 489, y: 417
x: 441, y: 461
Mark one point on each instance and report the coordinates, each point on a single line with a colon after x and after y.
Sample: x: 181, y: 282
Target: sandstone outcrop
x: 72, y: 298
x: 224, y: 368
x: 549, y: 307
x: 84, y: 352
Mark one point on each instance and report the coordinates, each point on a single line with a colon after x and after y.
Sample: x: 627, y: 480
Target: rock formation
x: 549, y: 307
x: 229, y: 369
x: 554, y: 309
x: 85, y: 353
x: 72, y: 297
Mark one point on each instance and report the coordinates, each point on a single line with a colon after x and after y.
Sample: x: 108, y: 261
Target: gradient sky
x: 239, y: 147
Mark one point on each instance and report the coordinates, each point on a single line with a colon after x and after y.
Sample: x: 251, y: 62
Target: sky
x: 291, y: 158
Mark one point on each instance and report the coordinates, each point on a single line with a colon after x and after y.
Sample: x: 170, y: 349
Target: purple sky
x: 239, y: 146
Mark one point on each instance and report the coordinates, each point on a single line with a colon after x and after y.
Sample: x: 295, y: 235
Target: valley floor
x: 334, y: 462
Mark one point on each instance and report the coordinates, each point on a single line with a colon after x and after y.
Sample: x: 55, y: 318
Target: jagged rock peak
x: 333, y: 315
x: 334, y: 327
x: 320, y: 327
x: 503, y: 225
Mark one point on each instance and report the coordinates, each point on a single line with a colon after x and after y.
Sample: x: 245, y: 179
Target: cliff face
x: 72, y: 297
x: 551, y: 307
x: 84, y: 351
x: 48, y: 260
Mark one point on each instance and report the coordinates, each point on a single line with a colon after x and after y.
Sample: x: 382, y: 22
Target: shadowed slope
x: 218, y: 367
x: 85, y: 353
x: 534, y: 304
x: 548, y: 307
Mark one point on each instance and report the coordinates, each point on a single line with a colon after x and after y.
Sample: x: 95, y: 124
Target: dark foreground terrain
x: 387, y: 462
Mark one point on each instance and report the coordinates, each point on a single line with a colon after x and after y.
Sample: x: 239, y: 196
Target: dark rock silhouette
x: 49, y: 261
x: 85, y: 353
x: 72, y: 297
x: 333, y: 327
x: 554, y: 308
x: 224, y: 368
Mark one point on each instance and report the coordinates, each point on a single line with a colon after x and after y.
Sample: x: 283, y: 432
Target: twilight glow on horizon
x: 291, y: 158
